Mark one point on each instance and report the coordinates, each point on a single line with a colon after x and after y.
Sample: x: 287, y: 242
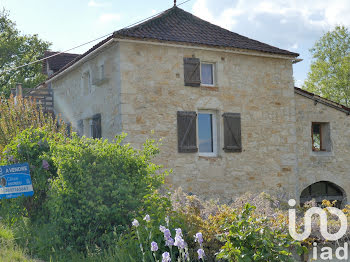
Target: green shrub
x: 19, y: 114
x: 249, y: 238
x: 34, y: 146
x: 100, y: 186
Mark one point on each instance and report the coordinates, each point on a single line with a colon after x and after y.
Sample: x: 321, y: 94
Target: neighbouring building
x: 55, y: 61
x: 225, y: 106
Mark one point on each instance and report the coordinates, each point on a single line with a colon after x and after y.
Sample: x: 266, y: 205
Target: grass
x: 9, y: 251
x: 19, y: 251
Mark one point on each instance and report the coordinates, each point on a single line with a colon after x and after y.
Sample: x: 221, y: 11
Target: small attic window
x: 207, y: 74
x: 87, y: 83
x: 102, y: 71
x: 321, y: 138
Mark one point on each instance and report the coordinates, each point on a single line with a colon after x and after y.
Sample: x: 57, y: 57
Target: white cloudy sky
x: 289, y: 24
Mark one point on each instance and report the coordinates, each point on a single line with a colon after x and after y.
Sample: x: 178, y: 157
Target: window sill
x: 208, y: 157
x: 210, y: 88
x: 322, y: 153
x: 100, y: 81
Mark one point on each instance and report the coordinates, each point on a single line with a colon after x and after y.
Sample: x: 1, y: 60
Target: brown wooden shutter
x: 192, y: 71
x: 80, y: 127
x: 232, y: 132
x: 69, y: 129
x: 96, y: 126
x: 187, y: 132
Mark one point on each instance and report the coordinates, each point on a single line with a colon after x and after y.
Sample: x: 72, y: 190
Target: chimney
x: 19, y: 90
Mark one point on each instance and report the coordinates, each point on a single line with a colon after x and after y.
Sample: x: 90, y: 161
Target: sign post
x: 15, y: 181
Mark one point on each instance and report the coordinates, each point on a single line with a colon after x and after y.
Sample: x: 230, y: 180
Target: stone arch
x: 322, y: 190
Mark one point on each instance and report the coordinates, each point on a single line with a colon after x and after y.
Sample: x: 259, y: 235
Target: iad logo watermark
x: 326, y: 252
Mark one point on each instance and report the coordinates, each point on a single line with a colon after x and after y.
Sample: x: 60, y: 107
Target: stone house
x: 225, y: 106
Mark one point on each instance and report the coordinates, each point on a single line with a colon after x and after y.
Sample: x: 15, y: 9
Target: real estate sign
x: 15, y: 181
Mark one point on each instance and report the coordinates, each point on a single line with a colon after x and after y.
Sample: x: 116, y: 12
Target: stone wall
x: 143, y: 89
x: 74, y: 101
x: 331, y: 166
x: 260, y: 88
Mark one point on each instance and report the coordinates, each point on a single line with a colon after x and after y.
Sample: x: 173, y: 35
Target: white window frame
x: 213, y: 72
x: 215, y: 136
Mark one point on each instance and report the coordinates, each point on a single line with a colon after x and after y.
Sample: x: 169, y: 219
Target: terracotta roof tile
x: 177, y: 25
x: 59, y: 61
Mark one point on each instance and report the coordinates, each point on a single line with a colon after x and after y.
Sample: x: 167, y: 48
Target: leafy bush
x: 249, y: 238
x: 100, y: 186
x: 19, y: 114
x: 34, y: 146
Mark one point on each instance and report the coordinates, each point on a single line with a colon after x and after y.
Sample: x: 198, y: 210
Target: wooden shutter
x: 187, y: 132
x: 232, y: 132
x: 69, y: 129
x: 80, y: 127
x: 192, y: 71
x: 96, y: 126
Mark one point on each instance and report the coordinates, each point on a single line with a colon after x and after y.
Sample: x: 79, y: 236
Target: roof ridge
x: 60, y: 53
x: 178, y: 25
x: 161, y: 15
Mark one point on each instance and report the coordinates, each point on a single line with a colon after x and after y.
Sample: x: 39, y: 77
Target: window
x: 95, y: 126
x: 207, y: 139
x: 320, y: 134
x: 102, y: 71
x: 87, y: 83
x: 323, y: 190
x: 197, y: 73
x: 207, y: 74
x: 188, y: 122
x: 80, y: 127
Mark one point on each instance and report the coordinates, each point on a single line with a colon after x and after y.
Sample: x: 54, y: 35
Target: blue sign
x: 15, y: 181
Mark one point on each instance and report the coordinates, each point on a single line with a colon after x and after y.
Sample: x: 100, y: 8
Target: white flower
x: 200, y: 253
x: 162, y: 228
x: 178, y: 232
x: 166, y: 257
x: 199, y: 238
x: 179, y: 242
x: 154, y: 246
x: 135, y: 223
x: 147, y: 218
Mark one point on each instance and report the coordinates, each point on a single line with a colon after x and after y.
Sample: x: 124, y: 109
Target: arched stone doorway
x: 323, y: 190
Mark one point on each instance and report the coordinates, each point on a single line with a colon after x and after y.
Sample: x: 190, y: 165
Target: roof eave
x: 318, y: 99
x: 247, y: 51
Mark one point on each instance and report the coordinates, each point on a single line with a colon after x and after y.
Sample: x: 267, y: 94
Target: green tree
x: 15, y: 50
x: 330, y: 70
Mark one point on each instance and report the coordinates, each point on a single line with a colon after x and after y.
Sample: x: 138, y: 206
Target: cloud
x: 226, y: 19
x: 108, y: 18
x: 298, y: 16
x: 294, y: 25
x: 93, y: 3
